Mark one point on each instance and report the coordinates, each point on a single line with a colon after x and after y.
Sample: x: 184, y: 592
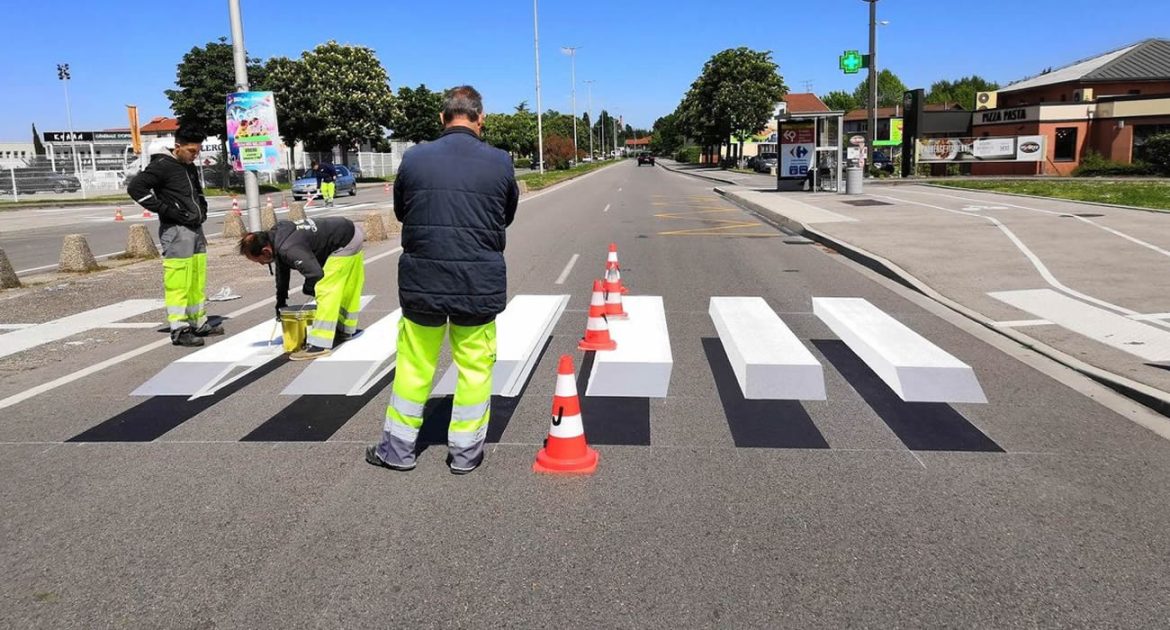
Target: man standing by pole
x: 169, y: 187
x: 455, y: 197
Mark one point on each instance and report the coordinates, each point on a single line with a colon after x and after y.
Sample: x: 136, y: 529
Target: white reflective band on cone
x: 611, y: 258
x: 566, y: 386
x: 570, y: 427
x: 596, y: 323
x: 598, y: 299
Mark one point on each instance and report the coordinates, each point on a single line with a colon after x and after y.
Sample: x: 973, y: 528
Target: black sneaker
x: 341, y: 337
x: 373, y: 460
x: 463, y: 471
x: 208, y: 330
x: 186, y: 337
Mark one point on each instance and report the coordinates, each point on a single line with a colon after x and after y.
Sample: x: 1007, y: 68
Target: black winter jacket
x: 305, y: 246
x: 171, y: 190
x: 454, y: 197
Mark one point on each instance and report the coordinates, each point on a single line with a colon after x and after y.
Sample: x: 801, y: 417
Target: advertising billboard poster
x: 797, y: 148
x: 253, y: 135
x: 1007, y: 149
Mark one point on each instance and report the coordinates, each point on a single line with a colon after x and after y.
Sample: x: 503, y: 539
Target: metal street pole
x: 251, y: 184
x: 873, y: 87
x: 539, y: 114
x: 571, y: 51
x: 64, y: 76
x: 590, y: 83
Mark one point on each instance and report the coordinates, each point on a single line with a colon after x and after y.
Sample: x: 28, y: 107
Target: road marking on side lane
x: 154, y: 345
x: 568, y: 268
x: 606, y: 208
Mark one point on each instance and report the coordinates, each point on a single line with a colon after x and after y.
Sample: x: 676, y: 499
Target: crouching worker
x: 328, y: 253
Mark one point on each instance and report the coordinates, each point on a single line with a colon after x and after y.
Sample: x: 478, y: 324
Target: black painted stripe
x: 612, y: 419
x: 315, y: 418
x: 759, y: 423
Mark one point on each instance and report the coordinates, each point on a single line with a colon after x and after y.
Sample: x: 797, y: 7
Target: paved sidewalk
x: 1084, y: 284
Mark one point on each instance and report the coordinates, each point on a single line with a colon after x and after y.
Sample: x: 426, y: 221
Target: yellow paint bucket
x: 295, y: 322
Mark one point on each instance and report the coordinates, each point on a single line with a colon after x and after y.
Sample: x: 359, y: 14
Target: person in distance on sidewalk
x: 328, y: 253
x: 169, y: 187
x: 455, y: 197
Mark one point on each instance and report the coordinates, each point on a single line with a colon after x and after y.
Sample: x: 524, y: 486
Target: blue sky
x: 643, y: 54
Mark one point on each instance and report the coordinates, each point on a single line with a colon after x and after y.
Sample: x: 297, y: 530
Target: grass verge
x: 1141, y: 194
x: 536, y: 181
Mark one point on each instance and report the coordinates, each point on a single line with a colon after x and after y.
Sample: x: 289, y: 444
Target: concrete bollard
x: 76, y: 255
x: 233, y: 227
x: 267, y: 218
x: 8, y: 279
x: 296, y: 212
x: 139, y: 244
x: 523, y: 185
x: 393, y: 226
x: 375, y: 228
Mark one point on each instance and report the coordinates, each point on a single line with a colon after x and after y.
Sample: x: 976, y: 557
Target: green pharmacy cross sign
x: 851, y: 61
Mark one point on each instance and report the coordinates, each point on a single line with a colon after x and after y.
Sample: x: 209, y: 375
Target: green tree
x: 416, y: 118
x: 666, y: 138
x: 890, y: 90
x: 289, y: 82
x: 351, y: 95
x: 205, y: 77
x: 514, y: 133
x: 961, y: 91
x: 841, y: 101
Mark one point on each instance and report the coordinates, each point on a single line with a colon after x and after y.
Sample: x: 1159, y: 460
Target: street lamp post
x: 592, y: 122
x: 64, y: 76
x: 251, y: 184
x: 871, y: 137
x: 539, y: 115
x: 571, y: 51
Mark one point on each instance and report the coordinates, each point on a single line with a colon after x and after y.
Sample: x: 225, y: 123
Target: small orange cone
x: 235, y: 206
x: 613, y: 297
x: 118, y: 214
x: 147, y: 215
x: 612, y: 265
x: 268, y: 204
x: 565, y: 451
x: 386, y: 188
x: 597, y: 328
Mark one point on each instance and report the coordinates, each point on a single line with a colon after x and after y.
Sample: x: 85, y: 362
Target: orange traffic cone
x: 613, y: 297
x: 386, y: 188
x: 235, y: 206
x: 612, y: 265
x: 268, y: 204
x: 118, y: 214
x: 147, y: 215
x: 565, y: 450
x: 597, y: 328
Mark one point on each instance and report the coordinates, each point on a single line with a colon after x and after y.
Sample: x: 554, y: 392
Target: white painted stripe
x: 606, y: 208
x: 1020, y: 323
x: 568, y: 268
x: 642, y: 363
x: 768, y: 360
x: 15, y: 326
x: 126, y: 356
x: 1150, y: 317
x: 74, y: 324
x: 55, y: 265
x: 131, y: 325
x: 1136, y: 338
x: 355, y: 366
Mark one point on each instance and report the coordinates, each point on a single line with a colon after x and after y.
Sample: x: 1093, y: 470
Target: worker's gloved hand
x: 278, y: 307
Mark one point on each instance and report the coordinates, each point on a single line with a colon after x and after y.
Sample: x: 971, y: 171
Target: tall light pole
x: 64, y: 76
x: 571, y: 51
x: 539, y: 115
x: 592, y: 122
x: 251, y: 184
x: 871, y: 137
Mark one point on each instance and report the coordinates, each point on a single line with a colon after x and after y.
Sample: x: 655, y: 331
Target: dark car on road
x: 645, y: 158
x: 765, y: 162
x: 29, y: 181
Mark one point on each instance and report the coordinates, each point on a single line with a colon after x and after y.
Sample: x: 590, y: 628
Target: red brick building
x: 1109, y: 104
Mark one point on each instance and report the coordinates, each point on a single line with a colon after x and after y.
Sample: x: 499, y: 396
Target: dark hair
x: 188, y: 134
x: 253, y: 243
x: 463, y: 101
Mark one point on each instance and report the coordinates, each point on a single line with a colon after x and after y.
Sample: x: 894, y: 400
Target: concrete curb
x: 1011, y: 194
x: 698, y: 175
x: 1151, y: 397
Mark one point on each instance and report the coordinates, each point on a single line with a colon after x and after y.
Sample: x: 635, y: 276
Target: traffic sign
x: 850, y: 62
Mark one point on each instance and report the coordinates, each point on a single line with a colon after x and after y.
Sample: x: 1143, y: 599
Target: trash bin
x: 853, y: 181
x: 294, y: 323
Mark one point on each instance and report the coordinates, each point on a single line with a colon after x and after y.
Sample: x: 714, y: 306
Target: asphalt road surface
x: 1044, y: 507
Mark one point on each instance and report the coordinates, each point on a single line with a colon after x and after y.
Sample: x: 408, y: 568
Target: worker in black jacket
x: 454, y: 196
x: 328, y: 253
x: 326, y: 176
x: 169, y: 187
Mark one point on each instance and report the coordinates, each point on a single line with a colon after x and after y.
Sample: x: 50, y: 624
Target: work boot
x: 373, y: 460
x: 186, y: 337
x: 341, y: 337
x: 463, y: 471
x: 207, y: 330
x: 310, y: 353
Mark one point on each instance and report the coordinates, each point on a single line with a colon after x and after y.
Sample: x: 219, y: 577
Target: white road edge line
x: 1019, y: 323
x: 1152, y: 316
x: 126, y: 356
x: 606, y: 208
x: 568, y: 268
x: 54, y: 266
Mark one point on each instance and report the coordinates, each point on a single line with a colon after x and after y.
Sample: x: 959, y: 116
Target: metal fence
x: 42, y: 178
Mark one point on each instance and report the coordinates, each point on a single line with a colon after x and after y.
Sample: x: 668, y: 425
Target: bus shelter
x: 809, y: 152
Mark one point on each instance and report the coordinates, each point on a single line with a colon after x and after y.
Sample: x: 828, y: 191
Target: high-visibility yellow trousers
x: 328, y: 190
x: 184, y: 275
x: 339, y: 293
x: 473, y: 349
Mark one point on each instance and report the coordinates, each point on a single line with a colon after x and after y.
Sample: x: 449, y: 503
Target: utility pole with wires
x: 64, y: 76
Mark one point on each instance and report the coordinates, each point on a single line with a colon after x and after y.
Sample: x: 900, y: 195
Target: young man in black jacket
x: 169, y: 187
x: 328, y: 253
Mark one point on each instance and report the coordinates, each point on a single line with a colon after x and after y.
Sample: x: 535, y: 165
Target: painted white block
x: 521, y: 331
x: 1118, y: 331
x: 204, y: 372
x: 355, y: 366
x: 769, y: 362
x: 59, y: 329
x: 641, y: 365
x: 916, y: 369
